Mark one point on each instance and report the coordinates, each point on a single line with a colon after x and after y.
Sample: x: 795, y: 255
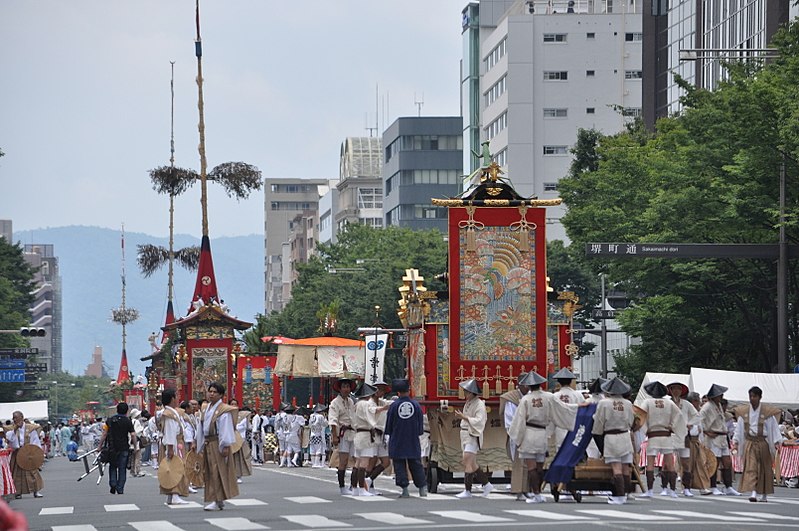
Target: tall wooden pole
x: 198, y: 51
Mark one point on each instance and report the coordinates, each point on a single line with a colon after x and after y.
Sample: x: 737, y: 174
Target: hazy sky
x: 85, y: 98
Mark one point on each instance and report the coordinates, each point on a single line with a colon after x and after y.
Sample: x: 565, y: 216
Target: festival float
x: 494, y: 322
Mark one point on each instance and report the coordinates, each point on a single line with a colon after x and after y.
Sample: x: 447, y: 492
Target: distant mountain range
x: 90, y: 263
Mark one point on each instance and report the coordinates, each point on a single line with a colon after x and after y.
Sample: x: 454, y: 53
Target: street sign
x: 18, y: 353
x: 36, y: 367
x: 12, y: 364
x: 12, y: 376
x: 603, y: 314
x: 688, y: 250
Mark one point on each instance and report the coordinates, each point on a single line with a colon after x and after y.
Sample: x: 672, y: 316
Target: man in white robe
x: 758, y: 435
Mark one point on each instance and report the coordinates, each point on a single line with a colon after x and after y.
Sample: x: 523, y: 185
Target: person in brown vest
x: 171, y: 425
x: 473, y: 422
x: 662, y: 420
x: 758, y: 434
x: 715, y: 429
x: 215, y: 436
x: 508, y: 403
x: 21, y: 434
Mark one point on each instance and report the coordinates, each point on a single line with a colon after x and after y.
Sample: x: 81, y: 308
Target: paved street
x: 306, y: 498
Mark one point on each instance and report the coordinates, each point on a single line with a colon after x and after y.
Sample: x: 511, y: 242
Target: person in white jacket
x: 318, y: 425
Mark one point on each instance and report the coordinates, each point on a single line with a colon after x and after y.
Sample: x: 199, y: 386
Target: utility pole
x: 604, y: 331
x: 782, y: 282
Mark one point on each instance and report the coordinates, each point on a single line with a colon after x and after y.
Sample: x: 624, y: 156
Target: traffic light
x: 32, y: 332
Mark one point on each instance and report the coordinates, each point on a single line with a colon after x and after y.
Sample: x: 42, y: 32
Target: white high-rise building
x: 534, y: 72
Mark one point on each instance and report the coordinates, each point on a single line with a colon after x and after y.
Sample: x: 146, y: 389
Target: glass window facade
x: 424, y: 143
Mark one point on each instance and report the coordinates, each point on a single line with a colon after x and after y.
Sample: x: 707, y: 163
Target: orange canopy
x: 328, y: 341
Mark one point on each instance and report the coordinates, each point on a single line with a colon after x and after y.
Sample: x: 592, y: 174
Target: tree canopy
x: 709, y: 175
x: 16, y: 285
x: 362, y: 270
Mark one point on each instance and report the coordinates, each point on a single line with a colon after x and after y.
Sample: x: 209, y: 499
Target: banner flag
x: 374, y: 356
x: 572, y: 451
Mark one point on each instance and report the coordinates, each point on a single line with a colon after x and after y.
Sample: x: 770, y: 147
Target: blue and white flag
x: 374, y: 356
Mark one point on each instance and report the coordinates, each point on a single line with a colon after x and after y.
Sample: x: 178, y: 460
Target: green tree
x: 16, y: 285
x: 362, y: 270
x: 708, y: 176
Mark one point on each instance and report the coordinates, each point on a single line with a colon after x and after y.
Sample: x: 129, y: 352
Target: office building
x: 423, y: 158
x: 360, y: 185
x: 537, y: 71
x: 708, y: 30
x: 284, y: 199
x: 46, y: 309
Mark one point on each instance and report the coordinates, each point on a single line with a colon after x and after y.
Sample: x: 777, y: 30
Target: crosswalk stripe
x: 367, y: 498
x: 392, y: 518
x: 314, y: 520
x: 533, y: 513
x: 121, y: 507
x: 711, y: 516
x: 433, y: 497
x: 306, y: 499
x: 190, y: 505
x: 245, y: 502
x: 155, y: 525
x: 625, y: 515
x: 234, y: 524
x: 783, y: 500
x: 56, y: 510
x: 768, y: 516
x: 470, y: 516
x: 86, y: 527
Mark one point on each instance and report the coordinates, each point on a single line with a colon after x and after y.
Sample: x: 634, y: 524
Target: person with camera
x: 117, y: 438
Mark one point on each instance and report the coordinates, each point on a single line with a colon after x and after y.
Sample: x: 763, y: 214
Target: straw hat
x: 533, y: 378
x: 365, y: 391
x: 564, y: 374
x: 471, y: 386
x: 318, y: 408
x: 683, y: 388
x: 716, y: 390
x: 616, y: 386
x: 596, y: 386
x: 337, y: 384
x: 656, y: 389
x: 170, y: 472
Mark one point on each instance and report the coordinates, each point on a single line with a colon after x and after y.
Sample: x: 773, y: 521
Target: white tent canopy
x: 316, y: 361
x: 779, y: 389
x: 665, y: 378
x: 33, y: 410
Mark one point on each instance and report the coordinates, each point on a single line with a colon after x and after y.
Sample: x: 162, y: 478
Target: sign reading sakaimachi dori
x: 687, y: 250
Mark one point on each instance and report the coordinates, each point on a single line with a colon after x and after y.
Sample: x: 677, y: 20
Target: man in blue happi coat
x: 404, y: 426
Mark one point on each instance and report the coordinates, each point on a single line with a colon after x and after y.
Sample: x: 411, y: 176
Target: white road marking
x: 307, y: 499
x: 470, y: 516
x: 392, y: 518
x: 155, y: 525
x: 121, y: 507
x: 190, y: 505
x: 314, y: 520
x: 609, y: 513
x: 710, y: 516
x: 533, y: 513
x: 56, y: 510
x: 74, y: 528
x: 768, y: 516
x: 245, y: 502
x: 234, y: 524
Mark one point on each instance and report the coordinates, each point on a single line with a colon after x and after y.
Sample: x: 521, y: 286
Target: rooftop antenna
x: 419, y: 104
x: 372, y: 130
